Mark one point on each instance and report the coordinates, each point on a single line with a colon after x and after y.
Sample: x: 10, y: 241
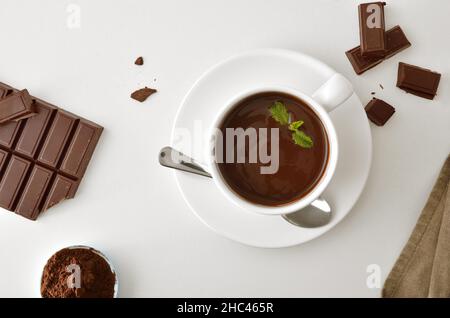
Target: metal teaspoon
x: 316, y: 215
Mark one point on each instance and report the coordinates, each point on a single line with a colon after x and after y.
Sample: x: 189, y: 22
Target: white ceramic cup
x: 330, y: 95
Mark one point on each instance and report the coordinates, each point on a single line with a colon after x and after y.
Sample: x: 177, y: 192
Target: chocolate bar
x: 379, y: 112
x: 43, y: 158
x: 418, y: 81
x: 396, y: 42
x: 16, y: 106
x: 372, y: 28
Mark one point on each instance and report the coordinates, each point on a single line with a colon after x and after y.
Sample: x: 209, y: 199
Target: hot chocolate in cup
x: 258, y: 163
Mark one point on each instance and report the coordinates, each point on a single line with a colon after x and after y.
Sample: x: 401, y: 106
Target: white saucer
x: 228, y: 79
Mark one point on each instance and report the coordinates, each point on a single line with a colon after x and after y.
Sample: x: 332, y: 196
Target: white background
x: 130, y: 208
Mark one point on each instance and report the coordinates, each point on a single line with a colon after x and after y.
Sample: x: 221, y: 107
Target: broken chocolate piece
x: 396, y: 42
x: 139, y: 61
x: 43, y: 158
x: 16, y: 106
x: 379, y: 112
x: 418, y: 81
x: 372, y: 28
x: 141, y: 95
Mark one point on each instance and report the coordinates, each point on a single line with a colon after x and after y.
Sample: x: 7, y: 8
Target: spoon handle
x: 171, y: 158
x: 316, y: 215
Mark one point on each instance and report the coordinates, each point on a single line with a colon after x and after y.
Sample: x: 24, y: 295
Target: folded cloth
x: 423, y: 268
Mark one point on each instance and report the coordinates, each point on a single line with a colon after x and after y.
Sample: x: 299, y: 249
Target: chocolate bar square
x: 418, y: 81
x: 379, y: 112
x: 396, y: 42
x: 372, y: 28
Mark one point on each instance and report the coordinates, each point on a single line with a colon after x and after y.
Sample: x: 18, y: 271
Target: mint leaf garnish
x: 279, y: 113
x: 296, y: 125
x: 302, y: 139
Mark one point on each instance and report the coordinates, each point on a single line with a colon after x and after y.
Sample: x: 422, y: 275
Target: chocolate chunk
x: 418, y: 81
x: 139, y: 61
x: 372, y: 28
x: 141, y: 95
x: 43, y: 158
x: 396, y: 42
x: 379, y: 112
x: 16, y: 106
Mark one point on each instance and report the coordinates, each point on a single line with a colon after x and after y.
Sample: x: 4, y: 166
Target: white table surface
x: 129, y: 207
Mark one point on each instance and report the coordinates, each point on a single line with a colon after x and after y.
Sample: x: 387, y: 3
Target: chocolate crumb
x: 142, y: 94
x: 381, y: 86
x: 96, y: 278
x: 139, y: 61
x: 373, y: 93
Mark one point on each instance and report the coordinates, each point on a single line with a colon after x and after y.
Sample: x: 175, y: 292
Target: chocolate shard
x: 141, y: 95
x: 372, y: 28
x: 396, y: 42
x: 43, y: 158
x: 419, y: 81
x: 16, y: 106
x: 379, y: 112
x: 139, y: 61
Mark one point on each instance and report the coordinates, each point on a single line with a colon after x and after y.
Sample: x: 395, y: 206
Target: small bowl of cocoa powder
x: 79, y: 272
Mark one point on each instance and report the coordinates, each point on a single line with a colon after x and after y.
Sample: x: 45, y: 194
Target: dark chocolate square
x: 418, y: 81
x: 396, y: 42
x: 379, y: 112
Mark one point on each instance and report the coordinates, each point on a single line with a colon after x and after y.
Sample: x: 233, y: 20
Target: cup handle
x: 334, y: 92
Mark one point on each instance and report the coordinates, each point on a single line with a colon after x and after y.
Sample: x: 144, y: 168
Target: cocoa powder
x: 95, y: 279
